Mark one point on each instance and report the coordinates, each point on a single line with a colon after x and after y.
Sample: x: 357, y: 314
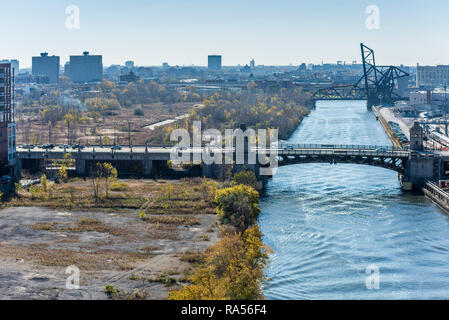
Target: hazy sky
x: 184, y: 32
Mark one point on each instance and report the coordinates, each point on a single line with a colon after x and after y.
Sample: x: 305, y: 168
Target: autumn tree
x: 246, y: 177
x: 107, y: 173
x: 237, y: 206
x: 232, y: 270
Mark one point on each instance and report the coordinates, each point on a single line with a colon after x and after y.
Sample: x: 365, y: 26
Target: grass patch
x: 174, y: 220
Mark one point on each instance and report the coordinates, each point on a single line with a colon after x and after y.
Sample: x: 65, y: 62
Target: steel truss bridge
x: 386, y: 157
x: 376, y: 85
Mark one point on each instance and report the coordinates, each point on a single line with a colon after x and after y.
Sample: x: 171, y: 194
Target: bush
x: 238, y: 206
x: 119, y: 186
x: 246, y: 177
x: 139, y: 112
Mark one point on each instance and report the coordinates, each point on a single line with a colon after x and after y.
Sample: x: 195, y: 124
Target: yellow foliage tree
x: 238, y: 206
x: 232, y: 270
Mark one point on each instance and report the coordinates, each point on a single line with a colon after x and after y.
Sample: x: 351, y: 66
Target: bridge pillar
x: 147, y: 167
x: 80, y: 167
x: 18, y: 168
x: 418, y: 171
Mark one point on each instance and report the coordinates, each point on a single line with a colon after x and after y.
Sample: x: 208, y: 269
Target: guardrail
x: 340, y: 146
x: 437, y: 194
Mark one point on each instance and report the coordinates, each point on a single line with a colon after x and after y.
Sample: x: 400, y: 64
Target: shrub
x: 238, y: 206
x: 138, y: 112
x: 62, y: 175
x: 246, y: 177
x: 119, y: 186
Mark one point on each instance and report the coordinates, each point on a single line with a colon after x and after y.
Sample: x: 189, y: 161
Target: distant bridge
x: 377, y: 85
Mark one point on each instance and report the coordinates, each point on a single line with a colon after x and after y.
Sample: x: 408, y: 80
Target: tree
x: 246, y: 177
x: 107, y: 172
x: 232, y: 270
x: 238, y: 206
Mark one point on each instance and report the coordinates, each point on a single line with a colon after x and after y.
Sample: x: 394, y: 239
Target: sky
x: 184, y: 32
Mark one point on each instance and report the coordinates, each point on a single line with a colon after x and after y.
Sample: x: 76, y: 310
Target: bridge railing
x: 339, y: 146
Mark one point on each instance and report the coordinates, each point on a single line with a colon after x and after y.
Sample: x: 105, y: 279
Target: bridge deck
x: 139, y: 152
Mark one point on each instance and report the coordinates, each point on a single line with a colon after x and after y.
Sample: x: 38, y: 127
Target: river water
x: 327, y: 223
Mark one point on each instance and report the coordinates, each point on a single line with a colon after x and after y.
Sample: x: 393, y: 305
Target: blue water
x: 327, y: 223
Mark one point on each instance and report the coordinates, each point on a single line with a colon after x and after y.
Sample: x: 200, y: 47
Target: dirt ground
x: 141, y: 256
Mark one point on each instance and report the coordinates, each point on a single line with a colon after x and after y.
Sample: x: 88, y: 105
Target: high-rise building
x: 7, y: 124
x: 129, y: 65
x: 85, y: 68
x: 214, y: 62
x: 252, y: 64
x: 14, y: 65
x: 46, y: 65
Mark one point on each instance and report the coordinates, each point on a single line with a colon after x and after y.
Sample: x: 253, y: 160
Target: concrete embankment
x: 386, y: 126
x: 437, y: 195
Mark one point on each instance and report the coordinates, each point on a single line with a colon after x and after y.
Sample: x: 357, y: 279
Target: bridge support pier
x: 418, y: 171
x: 147, y: 167
x: 80, y: 167
x: 18, y: 168
x: 213, y: 171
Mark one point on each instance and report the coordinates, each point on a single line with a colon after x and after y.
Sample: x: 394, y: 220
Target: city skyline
x: 281, y: 33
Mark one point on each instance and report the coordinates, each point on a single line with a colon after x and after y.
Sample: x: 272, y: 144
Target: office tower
x: 214, y: 62
x: 85, y: 68
x: 129, y: 65
x: 47, y: 66
x: 252, y: 64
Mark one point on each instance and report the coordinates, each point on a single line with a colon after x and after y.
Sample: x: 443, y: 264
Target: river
x: 327, y: 223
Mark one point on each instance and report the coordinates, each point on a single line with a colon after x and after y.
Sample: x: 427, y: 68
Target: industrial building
x: 46, y: 66
x: 85, y: 68
x: 7, y: 124
x: 214, y: 62
x: 432, y: 76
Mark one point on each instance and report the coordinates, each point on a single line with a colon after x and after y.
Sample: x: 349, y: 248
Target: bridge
x: 377, y: 85
x: 145, y: 158
x: 380, y: 156
x: 414, y: 167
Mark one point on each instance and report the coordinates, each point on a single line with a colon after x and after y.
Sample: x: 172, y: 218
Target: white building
x: 432, y: 75
x: 435, y: 97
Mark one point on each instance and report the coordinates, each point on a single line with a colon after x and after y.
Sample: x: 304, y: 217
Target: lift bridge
x: 376, y: 86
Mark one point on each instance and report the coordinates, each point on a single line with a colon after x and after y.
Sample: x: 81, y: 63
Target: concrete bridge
x: 414, y: 167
